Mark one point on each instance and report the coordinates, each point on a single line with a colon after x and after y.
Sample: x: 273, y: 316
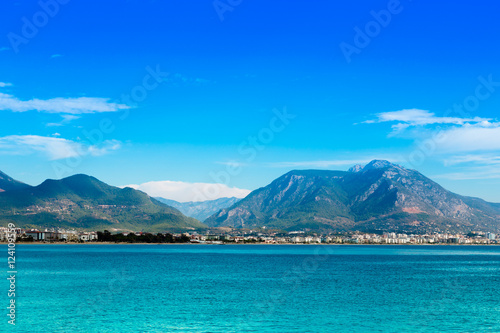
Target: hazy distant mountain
x: 200, y: 210
x: 7, y: 183
x: 378, y: 197
x: 82, y: 201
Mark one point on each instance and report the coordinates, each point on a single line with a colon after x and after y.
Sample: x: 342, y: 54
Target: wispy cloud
x: 78, y: 105
x: 472, y: 174
x: 417, y: 117
x: 66, y: 118
x: 185, y: 192
x: 470, y: 145
x: 105, y: 148
x: 490, y: 159
x: 473, y: 166
x: 455, y: 134
x: 59, y: 105
x: 2, y: 49
x: 471, y: 138
x: 56, y: 56
x: 54, y: 148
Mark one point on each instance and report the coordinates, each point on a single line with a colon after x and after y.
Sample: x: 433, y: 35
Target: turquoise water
x: 255, y: 288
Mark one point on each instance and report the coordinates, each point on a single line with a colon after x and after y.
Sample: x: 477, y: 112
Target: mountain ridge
x: 8, y: 183
x: 380, y: 196
x: 82, y: 201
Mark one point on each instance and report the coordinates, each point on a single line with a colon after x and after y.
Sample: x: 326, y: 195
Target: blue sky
x: 176, y: 95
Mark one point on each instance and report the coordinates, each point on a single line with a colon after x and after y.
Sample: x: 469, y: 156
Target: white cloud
x: 105, y: 148
x: 455, y: 135
x: 417, y: 117
x: 78, y: 105
x: 475, y: 137
x: 468, y: 146
x: 185, y: 192
x: 69, y: 117
x: 53, y: 148
x: 5, y: 84
x: 472, y: 174
x: 66, y: 118
x: 488, y: 159
x: 473, y: 166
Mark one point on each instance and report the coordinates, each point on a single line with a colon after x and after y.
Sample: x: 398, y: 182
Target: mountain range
x: 82, y: 201
x: 380, y: 196
x: 200, y: 210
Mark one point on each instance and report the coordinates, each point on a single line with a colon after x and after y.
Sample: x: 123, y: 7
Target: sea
x: 253, y: 288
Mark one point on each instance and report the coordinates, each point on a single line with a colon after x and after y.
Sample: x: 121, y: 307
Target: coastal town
x: 236, y: 236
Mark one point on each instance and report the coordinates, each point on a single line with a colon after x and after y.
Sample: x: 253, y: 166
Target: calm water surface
x: 255, y: 288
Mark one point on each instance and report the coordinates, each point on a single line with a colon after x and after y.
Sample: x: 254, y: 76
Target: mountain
x: 7, y: 183
x: 356, y: 168
x: 380, y: 196
x: 200, y: 210
x: 81, y: 201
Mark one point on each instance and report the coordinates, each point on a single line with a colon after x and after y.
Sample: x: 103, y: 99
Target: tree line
x: 107, y: 236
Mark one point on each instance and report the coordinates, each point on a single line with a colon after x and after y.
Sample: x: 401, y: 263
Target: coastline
x: 236, y: 244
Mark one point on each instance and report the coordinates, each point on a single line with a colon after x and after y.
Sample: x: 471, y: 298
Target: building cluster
x: 50, y: 235
x: 435, y: 238
x: 215, y: 236
x: 299, y: 237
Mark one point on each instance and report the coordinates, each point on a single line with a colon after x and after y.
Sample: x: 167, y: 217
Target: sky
x: 172, y: 97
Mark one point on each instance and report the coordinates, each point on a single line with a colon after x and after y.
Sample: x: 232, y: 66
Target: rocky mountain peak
x: 380, y: 196
x: 356, y: 168
x: 378, y: 164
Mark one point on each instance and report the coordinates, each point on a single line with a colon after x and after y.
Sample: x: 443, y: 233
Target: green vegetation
x: 84, y: 202
x: 106, y: 236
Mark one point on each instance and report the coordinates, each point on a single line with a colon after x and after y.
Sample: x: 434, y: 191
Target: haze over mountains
x: 380, y: 196
x: 200, y: 210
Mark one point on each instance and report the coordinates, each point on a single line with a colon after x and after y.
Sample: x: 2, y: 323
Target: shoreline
x: 236, y: 244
